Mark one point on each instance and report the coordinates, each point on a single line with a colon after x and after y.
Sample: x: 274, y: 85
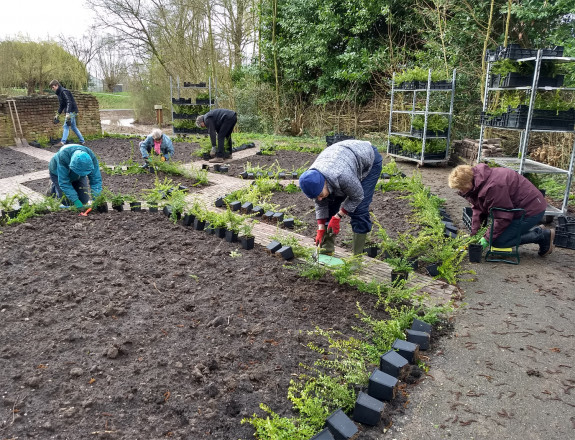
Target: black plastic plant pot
x: 271, y: 174
x: 433, y: 269
x: 421, y: 326
x: 183, y: 188
x: 371, y: 251
x: 235, y: 206
x: 382, y: 386
x: 408, y: 350
x: 231, y: 236
x: 102, y: 208
x: 220, y: 232
x: 153, y: 207
x: 247, y: 207
x: 250, y: 175
x: 286, y: 252
x: 217, y: 167
x: 206, y: 156
x: 247, y: 242
x: 396, y: 276
x: 475, y: 251
x: 259, y: 175
x: 118, y: 207
x: 244, y: 175
x: 135, y: 206
x: 324, y: 434
x: 294, y: 176
x: 188, y: 219
x: 219, y: 202
x: 278, y: 217
x: 258, y: 211
x: 167, y: 210
x: 341, y: 426
x: 205, y: 166
x: 199, y: 225
x: 268, y: 216
x: 394, y: 364
x: 273, y: 247
x: 281, y: 175
x: 288, y: 223
x: 414, y: 263
x: 368, y: 410
x: 419, y: 338
x: 224, y: 169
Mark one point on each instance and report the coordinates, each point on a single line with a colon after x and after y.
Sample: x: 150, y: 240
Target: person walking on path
x: 487, y: 188
x: 70, y: 170
x: 67, y: 104
x: 159, y: 143
x: 342, y: 181
x: 220, y: 124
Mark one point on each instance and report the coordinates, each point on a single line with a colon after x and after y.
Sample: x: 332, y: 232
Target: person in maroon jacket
x: 487, y: 188
x: 220, y: 123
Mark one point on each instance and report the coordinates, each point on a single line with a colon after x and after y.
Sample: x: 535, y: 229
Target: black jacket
x: 67, y: 102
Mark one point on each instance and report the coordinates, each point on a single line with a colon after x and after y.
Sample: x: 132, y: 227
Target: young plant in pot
x: 400, y: 268
x: 218, y: 221
x: 135, y: 205
x: 100, y: 203
x: 233, y: 224
x: 177, y: 203
x: 247, y: 239
x: 117, y: 200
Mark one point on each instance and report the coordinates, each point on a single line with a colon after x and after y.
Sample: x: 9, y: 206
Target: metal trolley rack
x: 522, y: 164
x: 419, y: 88
x: 176, y: 89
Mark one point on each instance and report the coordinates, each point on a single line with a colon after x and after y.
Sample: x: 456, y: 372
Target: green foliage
x: 119, y: 100
x: 416, y: 74
x: 399, y: 264
x: 279, y: 428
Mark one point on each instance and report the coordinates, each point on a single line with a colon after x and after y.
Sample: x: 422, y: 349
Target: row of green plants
x: 435, y: 123
x: 417, y: 74
x: 274, y: 168
x: 414, y: 145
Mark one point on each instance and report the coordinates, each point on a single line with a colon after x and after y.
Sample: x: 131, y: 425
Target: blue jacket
x: 67, y: 102
x: 60, y: 166
x: 147, y: 145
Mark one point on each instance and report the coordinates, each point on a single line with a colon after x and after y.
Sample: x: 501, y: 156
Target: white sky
x: 41, y: 20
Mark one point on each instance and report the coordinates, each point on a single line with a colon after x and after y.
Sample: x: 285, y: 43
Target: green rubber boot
x: 328, y: 244
x: 358, y: 243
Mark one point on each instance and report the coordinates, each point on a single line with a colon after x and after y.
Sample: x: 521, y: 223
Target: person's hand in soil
x: 319, y: 236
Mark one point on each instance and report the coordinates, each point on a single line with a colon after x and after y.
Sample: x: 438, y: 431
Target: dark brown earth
x: 13, y: 163
x: 127, y: 323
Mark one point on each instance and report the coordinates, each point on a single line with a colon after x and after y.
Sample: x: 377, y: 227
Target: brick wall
x: 37, y: 113
x: 465, y: 151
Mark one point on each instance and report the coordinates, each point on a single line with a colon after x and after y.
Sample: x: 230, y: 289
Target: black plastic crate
x: 338, y: 137
x: 467, y: 216
x: 194, y: 130
x: 412, y: 85
x: 513, y: 79
x: 564, y: 239
x: 184, y: 116
x: 439, y: 85
x: 556, y: 51
x: 541, y: 119
x: 515, y: 52
x: 181, y: 101
x: 429, y: 134
x: 204, y: 101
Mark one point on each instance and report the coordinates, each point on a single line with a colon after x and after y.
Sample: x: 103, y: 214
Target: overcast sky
x: 44, y: 19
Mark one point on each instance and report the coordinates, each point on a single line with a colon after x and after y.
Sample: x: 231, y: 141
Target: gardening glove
x: 334, y: 224
x: 319, y: 236
x: 56, y: 119
x: 78, y: 204
x: 484, y: 242
x: 163, y: 158
x: 64, y: 206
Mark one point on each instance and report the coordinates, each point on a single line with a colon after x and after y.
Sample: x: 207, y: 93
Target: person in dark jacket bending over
x: 487, y: 188
x: 220, y: 123
x: 67, y: 104
x: 342, y: 181
x: 160, y: 143
x: 70, y: 169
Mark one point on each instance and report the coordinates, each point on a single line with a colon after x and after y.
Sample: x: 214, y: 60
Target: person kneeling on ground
x: 220, y: 123
x: 70, y: 169
x: 159, y: 143
x: 342, y: 181
x: 487, y: 188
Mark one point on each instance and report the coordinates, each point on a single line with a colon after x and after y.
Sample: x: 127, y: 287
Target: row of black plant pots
x: 397, y: 149
x: 422, y: 85
x: 257, y: 211
x: 516, y: 52
x: 540, y: 120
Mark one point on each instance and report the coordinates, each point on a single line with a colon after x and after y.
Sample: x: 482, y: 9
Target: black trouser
x: 225, y: 136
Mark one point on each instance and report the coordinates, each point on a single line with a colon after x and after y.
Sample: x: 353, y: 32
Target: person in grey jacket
x: 160, y: 143
x: 342, y: 181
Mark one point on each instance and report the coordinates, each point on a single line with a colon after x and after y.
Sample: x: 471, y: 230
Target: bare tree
x: 85, y: 48
x: 112, y: 62
x: 236, y: 26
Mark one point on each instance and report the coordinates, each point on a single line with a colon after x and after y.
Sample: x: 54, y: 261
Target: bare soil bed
x: 125, y: 325
x: 14, y: 163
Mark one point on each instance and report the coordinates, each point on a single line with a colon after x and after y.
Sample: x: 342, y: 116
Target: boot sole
x: 551, y: 239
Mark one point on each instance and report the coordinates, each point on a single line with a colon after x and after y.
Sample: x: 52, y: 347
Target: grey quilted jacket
x: 344, y: 165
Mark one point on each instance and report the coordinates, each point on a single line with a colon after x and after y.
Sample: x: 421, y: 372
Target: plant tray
x: 439, y: 85
x: 513, y: 79
x: 338, y: 137
x: 515, y: 52
x: 181, y: 101
x: 204, y: 101
x: 541, y: 119
x: 429, y: 134
x: 564, y: 239
x: 184, y: 116
x: 190, y: 130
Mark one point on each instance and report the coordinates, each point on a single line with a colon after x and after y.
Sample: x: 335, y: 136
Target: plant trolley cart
x: 526, y: 118
x: 426, y: 139
x: 200, y: 98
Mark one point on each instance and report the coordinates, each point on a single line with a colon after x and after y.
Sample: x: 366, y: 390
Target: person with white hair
x: 157, y: 143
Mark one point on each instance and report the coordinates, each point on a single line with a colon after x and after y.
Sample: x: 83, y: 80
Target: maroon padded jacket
x: 501, y: 188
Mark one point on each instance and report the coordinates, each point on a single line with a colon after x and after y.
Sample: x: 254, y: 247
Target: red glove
x: 334, y: 224
x: 319, y: 236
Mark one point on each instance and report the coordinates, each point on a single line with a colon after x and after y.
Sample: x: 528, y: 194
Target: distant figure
x: 67, y: 104
x: 342, y: 181
x: 219, y: 122
x: 487, y: 188
x: 158, y: 143
x: 70, y: 169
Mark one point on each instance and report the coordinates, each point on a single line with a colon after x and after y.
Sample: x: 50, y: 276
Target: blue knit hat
x: 81, y: 163
x: 311, y: 183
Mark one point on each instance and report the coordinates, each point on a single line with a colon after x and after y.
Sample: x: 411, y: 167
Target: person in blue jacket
x: 158, y: 143
x: 70, y: 170
x: 67, y: 104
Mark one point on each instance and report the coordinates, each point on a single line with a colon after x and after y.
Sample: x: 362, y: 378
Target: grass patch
x: 121, y: 100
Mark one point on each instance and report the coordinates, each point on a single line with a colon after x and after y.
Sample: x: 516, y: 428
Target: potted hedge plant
x: 100, y: 203
x: 117, y: 200
x: 247, y: 239
x: 233, y: 224
x: 400, y: 268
